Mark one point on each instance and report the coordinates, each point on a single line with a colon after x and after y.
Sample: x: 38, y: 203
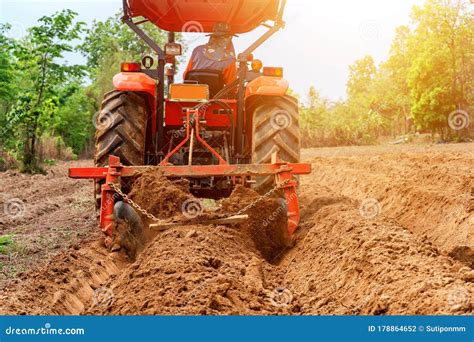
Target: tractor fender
x: 267, y: 86
x: 135, y: 81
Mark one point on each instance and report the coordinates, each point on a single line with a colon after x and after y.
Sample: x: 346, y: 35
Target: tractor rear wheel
x: 121, y: 131
x: 275, y: 128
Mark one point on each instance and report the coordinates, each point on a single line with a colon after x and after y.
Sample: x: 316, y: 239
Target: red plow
x: 112, y: 174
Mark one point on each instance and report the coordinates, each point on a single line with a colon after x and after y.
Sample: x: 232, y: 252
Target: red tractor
x: 213, y: 134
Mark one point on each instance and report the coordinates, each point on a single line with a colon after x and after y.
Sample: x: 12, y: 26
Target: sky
x: 320, y: 41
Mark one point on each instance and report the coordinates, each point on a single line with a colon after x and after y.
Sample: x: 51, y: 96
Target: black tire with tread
x: 268, y: 137
x: 121, y: 131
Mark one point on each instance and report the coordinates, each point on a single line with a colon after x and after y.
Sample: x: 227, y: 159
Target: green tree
x: 365, y: 119
x: 442, y: 49
x: 6, y: 68
x: 7, y: 89
x: 361, y: 75
x: 73, y: 122
x: 392, y: 92
x: 109, y: 43
x: 313, y: 116
x: 42, y: 72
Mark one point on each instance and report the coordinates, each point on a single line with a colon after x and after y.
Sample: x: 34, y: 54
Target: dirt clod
x: 158, y: 195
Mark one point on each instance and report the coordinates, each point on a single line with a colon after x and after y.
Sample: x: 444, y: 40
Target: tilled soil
x: 427, y: 189
x: 383, y: 231
x: 45, y: 214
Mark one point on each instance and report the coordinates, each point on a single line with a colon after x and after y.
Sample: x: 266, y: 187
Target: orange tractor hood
x: 201, y: 15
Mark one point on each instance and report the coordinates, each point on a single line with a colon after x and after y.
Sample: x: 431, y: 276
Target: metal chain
x: 155, y: 219
x: 130, y: 201
x: 261, y: 198
x: 133, y: 204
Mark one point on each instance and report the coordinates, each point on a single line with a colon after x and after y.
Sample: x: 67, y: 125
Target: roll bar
x: 238, y: 134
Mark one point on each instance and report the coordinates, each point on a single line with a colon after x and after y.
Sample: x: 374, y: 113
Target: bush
x: 7, y: 161
x: 54, y: 148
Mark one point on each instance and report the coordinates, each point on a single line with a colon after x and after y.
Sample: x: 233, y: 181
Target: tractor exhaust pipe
x: 172, y: 39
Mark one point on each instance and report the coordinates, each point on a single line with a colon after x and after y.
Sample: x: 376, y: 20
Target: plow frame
x: 112, y: 174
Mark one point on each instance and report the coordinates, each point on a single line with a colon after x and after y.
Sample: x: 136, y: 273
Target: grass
x: 6, y: 242
x: 16, y: 253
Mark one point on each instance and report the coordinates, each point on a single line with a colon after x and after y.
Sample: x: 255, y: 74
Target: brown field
x: 385, y: 230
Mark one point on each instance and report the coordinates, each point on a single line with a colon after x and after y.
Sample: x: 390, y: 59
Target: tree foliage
x: 42, y: 96
x: 109, y: 43
x: 40, y: 74
x: 441, y: 51
x: 7, y: 75
x: 426, y: 77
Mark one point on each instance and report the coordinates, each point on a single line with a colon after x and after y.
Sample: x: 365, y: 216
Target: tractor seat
x: 213, y: 78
